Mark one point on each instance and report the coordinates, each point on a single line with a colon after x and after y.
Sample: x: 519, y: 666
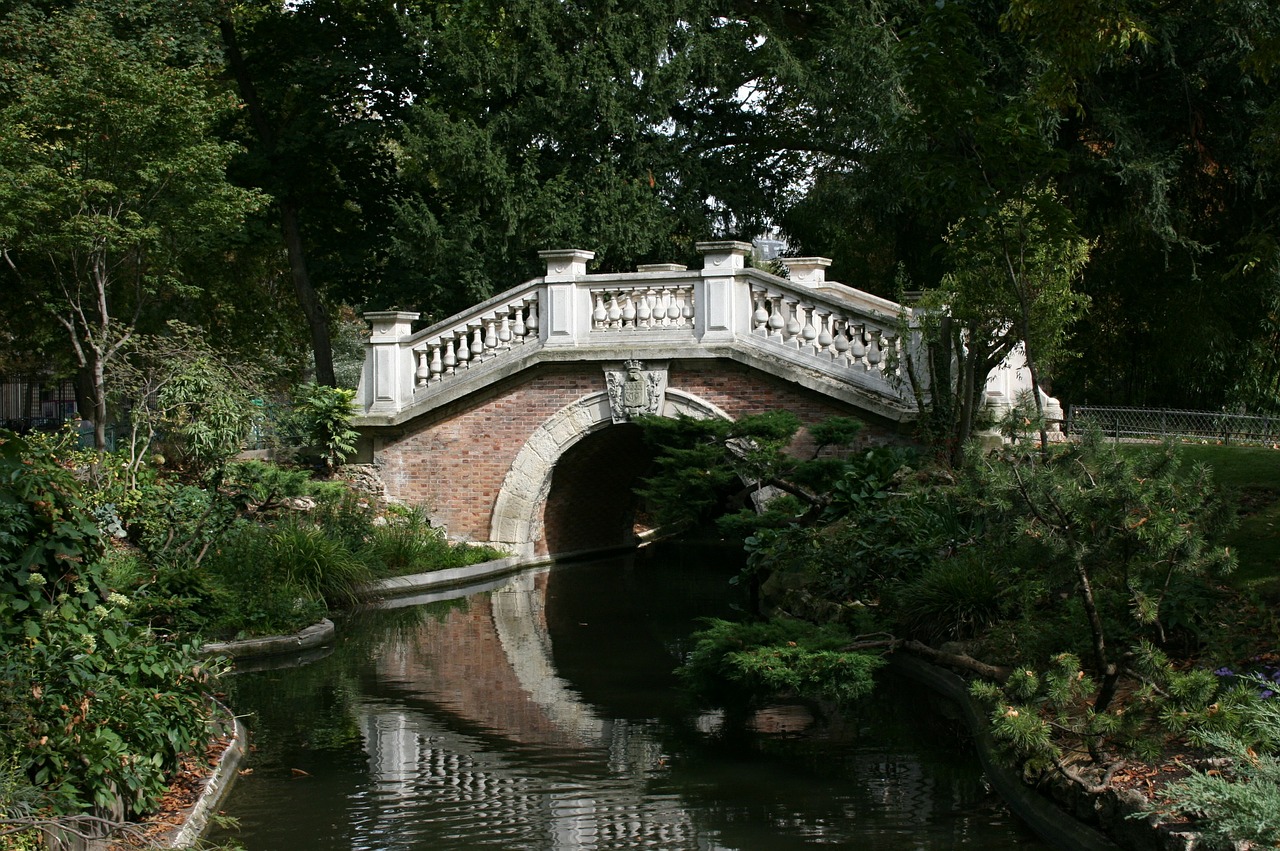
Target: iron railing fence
x: 1160, y: 423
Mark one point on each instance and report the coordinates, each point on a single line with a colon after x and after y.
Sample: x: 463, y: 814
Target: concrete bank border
x: 194, y: 819
x: 1063, y: 815
x: 1048, y: 821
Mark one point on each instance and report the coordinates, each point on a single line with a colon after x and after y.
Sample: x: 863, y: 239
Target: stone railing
x: 658, y: 311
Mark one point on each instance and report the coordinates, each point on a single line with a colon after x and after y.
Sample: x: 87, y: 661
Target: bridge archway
x: 526, y: 501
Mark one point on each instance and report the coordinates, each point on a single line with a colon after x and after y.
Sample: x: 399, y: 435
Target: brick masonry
x: 454, y: 461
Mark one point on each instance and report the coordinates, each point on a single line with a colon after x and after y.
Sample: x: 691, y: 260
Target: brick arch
x: 517, y: 511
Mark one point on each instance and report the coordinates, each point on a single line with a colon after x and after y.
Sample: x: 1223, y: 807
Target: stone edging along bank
x: 196, y: 819
x: 1042, y: 816
x: 1064, y: 818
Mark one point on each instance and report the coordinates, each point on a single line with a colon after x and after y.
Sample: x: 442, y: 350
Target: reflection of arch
x: 524, y: 490
x: 519, y: 620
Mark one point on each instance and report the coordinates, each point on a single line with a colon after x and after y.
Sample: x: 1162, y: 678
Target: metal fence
x: 1161, y: 423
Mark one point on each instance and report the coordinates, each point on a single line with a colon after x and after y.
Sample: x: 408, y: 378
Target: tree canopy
x: 418, y: 155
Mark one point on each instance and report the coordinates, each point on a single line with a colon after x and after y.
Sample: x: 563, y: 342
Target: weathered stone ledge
x: 195, y: 820
x: 449, y: 577
x: 1048, y: 821
x: 452, y: 577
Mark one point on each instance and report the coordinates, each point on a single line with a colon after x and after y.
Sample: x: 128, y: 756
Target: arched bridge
x: 511, y: 421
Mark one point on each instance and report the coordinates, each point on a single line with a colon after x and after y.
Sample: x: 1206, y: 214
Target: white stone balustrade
x: 835, y: 335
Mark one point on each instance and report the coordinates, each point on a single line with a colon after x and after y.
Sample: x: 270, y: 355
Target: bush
x: 320, y: 423
x: 91, y: 703
x: 737, y: 664
x: 319, y: 564
x: 250, y: 594
x: 1244, y: 802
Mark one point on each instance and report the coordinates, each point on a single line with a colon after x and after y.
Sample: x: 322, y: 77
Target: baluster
x: 857, y: 351
x: 644, y: 315
x: 791, y: 333
x: 760, y: 318
x: 629, y: 312
x: 518, y: 329
x: 615, y: 312
x: 686, y: 305
x: 892, y: 363
x: 422, y: 374
x: 464, y: 348
x: 776, y: 322
x: 531, y: 320
x: 436, y: 366
x: 841, y: 343
x: 673, y: 309
x: 490, y: 336
x: 809, y: 333
x: 477, y: 341
x: 504, y: 331
x: 824, y: 334
x: 599, y: 315
x: 874, y: 355
x: 450, y: 359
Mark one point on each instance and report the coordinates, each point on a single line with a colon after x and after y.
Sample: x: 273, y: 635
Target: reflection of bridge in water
x: 514, y: 755
x: 490, y: 666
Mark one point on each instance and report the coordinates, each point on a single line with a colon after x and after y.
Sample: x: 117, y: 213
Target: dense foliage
x: 1079, y: 585
x: 94, y: 703
x: 213, y: 161
x: 112, y: 573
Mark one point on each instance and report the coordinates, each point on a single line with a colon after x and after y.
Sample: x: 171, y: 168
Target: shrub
x: 91, y: 703
x: 1244, y: 802
x: 250, y: 596
x: 320, y: 422
x: 310, y: 559
x: 736, y: 664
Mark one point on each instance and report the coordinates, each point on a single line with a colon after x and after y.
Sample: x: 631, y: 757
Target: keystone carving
x: 634, y: 390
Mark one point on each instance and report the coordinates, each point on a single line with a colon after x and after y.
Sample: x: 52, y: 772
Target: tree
x: 324, y: 83
x: 1010, y: 286
x: 543, y: 125
x: 113, y: 179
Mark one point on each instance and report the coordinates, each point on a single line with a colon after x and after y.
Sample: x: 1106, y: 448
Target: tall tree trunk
x: 99, y: 377
x: 317, y: 319
x: 967, y: 394
x: 308, y: 298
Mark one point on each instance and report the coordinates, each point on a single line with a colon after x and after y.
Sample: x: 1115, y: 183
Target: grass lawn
x: 1252, y: 475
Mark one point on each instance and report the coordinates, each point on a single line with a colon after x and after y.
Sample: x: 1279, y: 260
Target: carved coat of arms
x: 634, y: 390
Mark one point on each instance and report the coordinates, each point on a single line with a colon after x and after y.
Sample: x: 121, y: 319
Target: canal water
x: 543, y: 714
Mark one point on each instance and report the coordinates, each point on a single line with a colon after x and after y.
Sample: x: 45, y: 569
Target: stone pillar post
x: 721, y: 306
x: 387, y: 380
x: 566, y: 308
x: 806, y: 270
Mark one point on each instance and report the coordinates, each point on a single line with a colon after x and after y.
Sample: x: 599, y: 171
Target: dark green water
x: 544, y: 715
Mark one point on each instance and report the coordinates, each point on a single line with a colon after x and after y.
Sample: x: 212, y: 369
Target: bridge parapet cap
x: 806, y: 270
x: 388, y: 325
x: 565, y: 263
x: 723, y: 255
x: 662, y: 267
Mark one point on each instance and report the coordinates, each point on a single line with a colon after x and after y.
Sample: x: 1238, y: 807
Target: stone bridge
x: 511, y: 421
